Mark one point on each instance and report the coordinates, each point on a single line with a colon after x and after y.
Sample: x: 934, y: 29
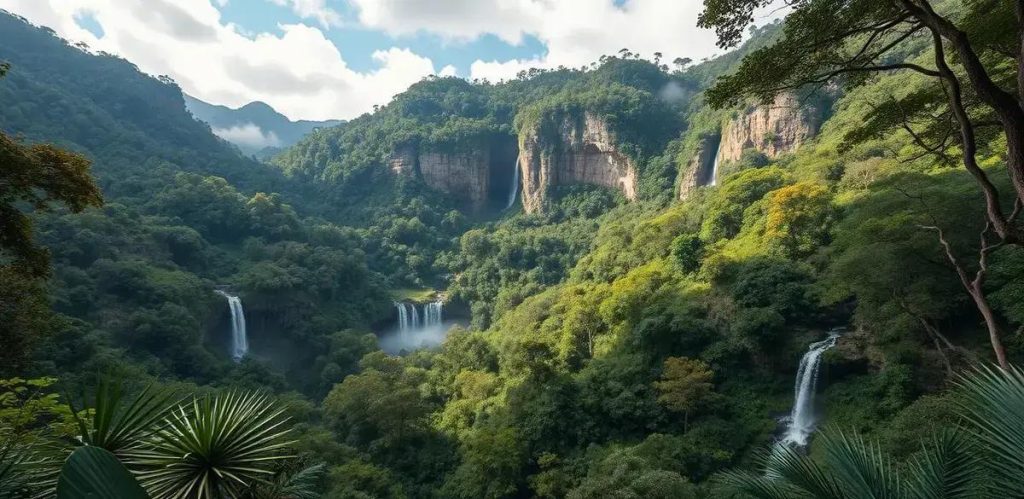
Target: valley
x: 618, y: 280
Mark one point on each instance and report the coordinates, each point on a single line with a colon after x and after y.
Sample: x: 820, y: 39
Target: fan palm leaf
x: 993, y: 410
x: 217, y: 446
x: 948, y: 467
x: 859, y: 467
x: 119, y: 426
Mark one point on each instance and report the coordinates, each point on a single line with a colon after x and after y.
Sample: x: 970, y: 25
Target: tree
x: 37, y: 176
x: 825, y: 41
x: 684, y: 385
x: 976, y: 95
x: 799, y: 218
x: 688, y: 251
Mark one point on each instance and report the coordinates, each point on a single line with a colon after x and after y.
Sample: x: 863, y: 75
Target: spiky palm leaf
x: 949, y: 467
x: 993, y: 409
x: 859, y: 467
x: 303, y: 483
x: 786, y: 473
x: 118, y: 426
x: 215, y: 447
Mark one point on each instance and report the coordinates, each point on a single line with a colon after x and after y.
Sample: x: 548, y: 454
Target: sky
x: 336, y: 59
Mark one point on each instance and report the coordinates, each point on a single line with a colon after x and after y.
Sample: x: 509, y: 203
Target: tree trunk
x: 990, y: 323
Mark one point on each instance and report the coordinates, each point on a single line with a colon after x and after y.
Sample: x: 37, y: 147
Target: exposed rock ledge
x: 465, y: 174
x: 583, y: 152
x: 701, y: 167
x: 773, y: 130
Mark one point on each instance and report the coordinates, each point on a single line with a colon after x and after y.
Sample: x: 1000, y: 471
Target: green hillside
x: 640, y: 261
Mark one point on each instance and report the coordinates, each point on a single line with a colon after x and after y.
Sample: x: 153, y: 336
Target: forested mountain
x: 256, y: 128
x: 641, y: 260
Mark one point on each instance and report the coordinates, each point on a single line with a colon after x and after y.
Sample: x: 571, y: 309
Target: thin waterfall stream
x: 239, y: 335
x: 802, y: 419
x: 515, y: 185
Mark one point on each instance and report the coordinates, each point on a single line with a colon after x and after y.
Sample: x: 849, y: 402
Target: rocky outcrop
x: 774, y: 129
x: 701, y: 167
x: 464, y: 175
x: 582, y: 151
x: 403, y: 160
x: 474, y: 173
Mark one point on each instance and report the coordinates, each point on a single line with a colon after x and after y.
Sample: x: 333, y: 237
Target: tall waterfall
x: 417, y: 322
x: 515, y: 185
x: 239, y: 338
x: 713, y: 181
x: 801, y: 419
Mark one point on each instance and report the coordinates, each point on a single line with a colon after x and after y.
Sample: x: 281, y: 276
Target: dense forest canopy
x: 832, y: 201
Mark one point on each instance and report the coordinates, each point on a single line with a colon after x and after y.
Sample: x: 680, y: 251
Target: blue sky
x: 355, y: 42
x: 324, y: 59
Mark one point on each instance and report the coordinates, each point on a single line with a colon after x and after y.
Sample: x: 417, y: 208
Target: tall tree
x: 684, y: 385
x: 978, y: 94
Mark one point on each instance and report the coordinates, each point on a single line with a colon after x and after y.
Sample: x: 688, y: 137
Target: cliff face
x: 583, y: 152
x: 474, y: 173
x: 464, y: 175
x: 772, y: 129
x: 700, y: 169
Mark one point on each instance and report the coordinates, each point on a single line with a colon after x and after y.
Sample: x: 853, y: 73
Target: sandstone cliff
x: 582, y: 151
x: 474, y: 173
x: 700, y: 169
x: 773, y: 129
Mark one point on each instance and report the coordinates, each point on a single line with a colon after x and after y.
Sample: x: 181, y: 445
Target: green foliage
x: 94, y: 472
x: 216, y: 446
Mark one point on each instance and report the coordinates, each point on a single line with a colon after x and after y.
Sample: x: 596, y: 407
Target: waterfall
x: 515, y: 185
x: 432, y: 314
x: 713, y: 181
x: 239, y: 339
x: 801, y: 419
x: 419, y: 325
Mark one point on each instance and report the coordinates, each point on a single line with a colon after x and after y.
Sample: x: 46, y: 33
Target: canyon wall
x: 581, y: 152
x: 773, y: 129
x: 472, y: 172
x: 701, y: 167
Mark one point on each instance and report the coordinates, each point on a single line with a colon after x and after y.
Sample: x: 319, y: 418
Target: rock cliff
x: 475, y: 173
x: 773, y: 129
x: 700, y: 169
x: 582, y: 151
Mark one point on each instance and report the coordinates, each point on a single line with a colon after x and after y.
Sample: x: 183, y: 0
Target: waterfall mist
x: 418, y: 326
x: 239, y: 337
x: 802, y: 419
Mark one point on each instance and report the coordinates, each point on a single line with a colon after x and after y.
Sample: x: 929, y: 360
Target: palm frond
x: 992, y: 407
x: 800, y: 471
x: 757, y: 486
x: 948, y: 467
x: 122, y: 427
x: 216, y: 446
x: 860, y: 467
x: 304, y: 483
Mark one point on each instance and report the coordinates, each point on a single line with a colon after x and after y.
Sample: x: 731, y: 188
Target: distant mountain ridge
x: 256, y: 128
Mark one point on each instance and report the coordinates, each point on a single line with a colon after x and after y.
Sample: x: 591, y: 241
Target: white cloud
x: 454, y: 19
x: 575, y: 32
x: 312, y: 9
x: 249, y: 135
x: 299, y: 72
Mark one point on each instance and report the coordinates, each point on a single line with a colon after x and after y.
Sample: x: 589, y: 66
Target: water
x: 239, y: 338
x: 713, y: 181
x: 419, y: 326
x: 515, y: 186
x: 802, y: 418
